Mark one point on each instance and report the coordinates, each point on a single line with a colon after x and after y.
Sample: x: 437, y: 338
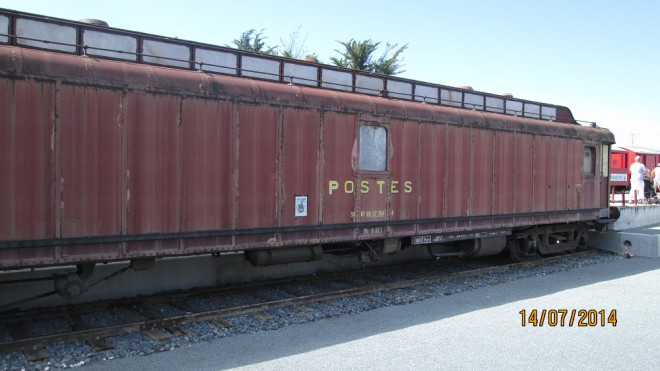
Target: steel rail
x: 159, y: 323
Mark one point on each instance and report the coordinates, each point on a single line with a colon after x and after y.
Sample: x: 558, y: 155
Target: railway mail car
x: 117, y: 145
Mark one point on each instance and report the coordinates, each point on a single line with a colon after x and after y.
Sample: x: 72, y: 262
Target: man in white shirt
x: 637, y: 171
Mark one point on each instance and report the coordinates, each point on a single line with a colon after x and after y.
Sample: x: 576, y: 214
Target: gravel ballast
x: 71, y: 355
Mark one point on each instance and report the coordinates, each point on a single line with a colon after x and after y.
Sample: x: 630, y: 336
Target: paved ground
x: 472, y: 330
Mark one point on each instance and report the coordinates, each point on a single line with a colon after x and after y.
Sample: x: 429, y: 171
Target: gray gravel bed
x: 101, y: 319
x: 205, y: 327
x: 398, y: 297
x: 404, y: 275
x: 307, y: 290
x: 336, y: 285
x: 243, y: 299
x: 204, y: 304
x: 367, y: 281
x: 136, y: 344
x: 49, y: 326
x: 166, y: 310
x: 131, y: 345
x: 278, y: 293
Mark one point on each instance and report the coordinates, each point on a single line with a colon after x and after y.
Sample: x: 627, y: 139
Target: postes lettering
x: 366, y: 186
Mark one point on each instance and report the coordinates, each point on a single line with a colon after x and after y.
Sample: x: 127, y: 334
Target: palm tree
x: 253, y: 41
x: 358, y: 55
x: 390, y: 65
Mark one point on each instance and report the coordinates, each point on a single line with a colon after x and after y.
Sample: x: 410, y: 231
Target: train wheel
x: 70, y: 286
x: 522, y: 249
x: 582, y: 242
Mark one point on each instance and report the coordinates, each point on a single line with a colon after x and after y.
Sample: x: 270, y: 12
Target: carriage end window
x: 589, y: 161
x: 373, y: 148
x: 605, y: 161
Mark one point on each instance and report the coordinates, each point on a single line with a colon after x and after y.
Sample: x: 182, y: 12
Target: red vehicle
x: 619, y: 168
x: 621, y: 159
x: 116, y: 145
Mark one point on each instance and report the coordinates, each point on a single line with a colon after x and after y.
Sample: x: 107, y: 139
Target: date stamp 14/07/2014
x: 568, y: 317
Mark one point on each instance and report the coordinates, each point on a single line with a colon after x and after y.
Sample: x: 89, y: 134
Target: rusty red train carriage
x: 116, y: 145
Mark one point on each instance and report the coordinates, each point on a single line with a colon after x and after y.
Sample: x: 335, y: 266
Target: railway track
x: 165, y: 316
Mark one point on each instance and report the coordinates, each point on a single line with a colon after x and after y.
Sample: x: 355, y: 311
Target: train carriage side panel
x: 27, y: 175
x: 338, y: 175
x: 523, y: 169
x: 481, y: 177
x: 153, y: 170
x: 299, y: 200
x: 480, y: 166
x: 504, y: 190
x: 576, y: 197
x: 598, y: 187
x: 431, y: 184
x: 540, y: 177
x: 27, y: 153
x: 372, y: 173
x: 90, y: 161
x: 89, y: 142
x: 649, y: 160
x: 459, y: 148
x: 256, y: 163
x: 207, y: 152
x: 404, y: 168
x: 559, y: 177
x: 587, y: 181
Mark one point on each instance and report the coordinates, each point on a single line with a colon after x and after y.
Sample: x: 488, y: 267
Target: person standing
x: 637, y: 171
x: 655, y: 177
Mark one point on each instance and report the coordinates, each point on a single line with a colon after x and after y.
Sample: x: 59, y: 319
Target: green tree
x: 390, y: 65
x: 253, y: 41
x: 358, y: 55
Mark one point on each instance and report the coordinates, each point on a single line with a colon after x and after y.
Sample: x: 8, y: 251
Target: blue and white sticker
x: 301, y: 206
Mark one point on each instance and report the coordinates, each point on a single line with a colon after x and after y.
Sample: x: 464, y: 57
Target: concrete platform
x: 636, y: 216
x: 637, y: 232
x: 643, y: 241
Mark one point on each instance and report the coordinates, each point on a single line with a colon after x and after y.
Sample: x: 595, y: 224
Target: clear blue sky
x: 598, y: 57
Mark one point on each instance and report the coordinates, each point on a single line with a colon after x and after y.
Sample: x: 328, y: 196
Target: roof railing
x: 58, y: 35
